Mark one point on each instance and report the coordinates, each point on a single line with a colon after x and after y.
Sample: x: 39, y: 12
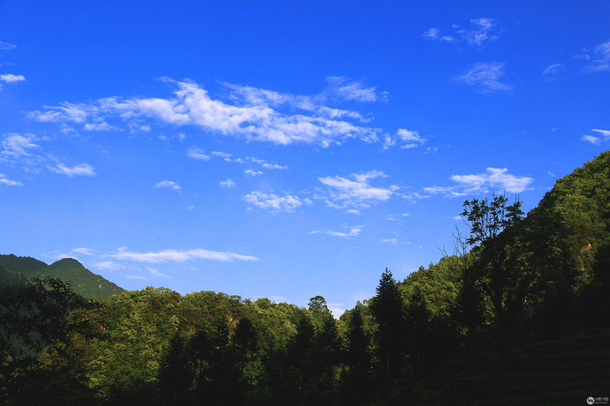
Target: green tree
x: 356, y: 388
x: 386, y: 307
x: 487, y: 219
x: 33, y: 317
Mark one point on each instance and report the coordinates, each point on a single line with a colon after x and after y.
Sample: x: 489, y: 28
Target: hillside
x: 83, y: 281
x: 10, y: 278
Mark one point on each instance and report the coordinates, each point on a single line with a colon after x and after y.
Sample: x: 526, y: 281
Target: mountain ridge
x: 18, y: 270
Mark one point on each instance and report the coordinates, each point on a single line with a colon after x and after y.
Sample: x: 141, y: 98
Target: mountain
x: 25, y: 266
x: 15, y: 270
x: 10, y: 278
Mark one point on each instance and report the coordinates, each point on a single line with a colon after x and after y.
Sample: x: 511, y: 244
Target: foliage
x: 478, y: 327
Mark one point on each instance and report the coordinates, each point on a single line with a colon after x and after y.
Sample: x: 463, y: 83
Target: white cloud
x: 255, y: 120
x: 77, y: 170
x: 274, y: 202
x: 5, y: 46
x: 356, y: 191
x: 227, y: 183
x: 221, y: 154
x: 157, y: 273
x: 180, y: 256
x: 477, y: 37
x: 552, y: 71
x: 65, y: 112
x: 599, y: 57
x: 266, y: 164
x: 434, y: 35
x: 136, y: 277
x: 494, y: 178
x: 16, y: 145
x: 8, y: 182
x: 354, y: 90
x: 605, y: 133
x: 354, y: 231
x: 592, y: 139
x: 108, y: 266
x: 84, y: 251
x: 486, y: 77
x: 482, y: 35
x: 389, y: 240
x: 98, y: 126
x: 197, y: 153
x: 337, y: 309
x: 10, y: 78
x: 252, y: 173
x: 597, y: 140
x: 167, y: 184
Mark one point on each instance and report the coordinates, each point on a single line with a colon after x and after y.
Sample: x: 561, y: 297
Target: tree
x: 33, y: 317
x: 386, y: 308
x: 356, y: 385
x: 487, y: 220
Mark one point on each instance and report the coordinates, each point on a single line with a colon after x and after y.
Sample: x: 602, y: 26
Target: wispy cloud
x: 180, y: 256
x: 77, y: 170
x: 108, y: 266
x: 353, y: 232
x: 24, y: 150
x: 167, y: 184
x: 434, y: 34
x: 252, y: 173
x: 354, y: 90
x: 140, y: 277
x: 197, y: 153
x: 481, y: 34
x: 15, y: 146
x: 599, y: 57
x: 494, y: 178
x: 8, y: 182
x: 74, y: 253
x: 157, y: 273
x: 485, y: 77
x: 356, y: 190
x: 477, y: 36
x: 552, y: 71
x: 194, y: 152
x: 251, y: 114
x: 227, y: 184
x: 605, y: 136
x: 5, y: 46
x: 275, y: 203
x: 99, y: 125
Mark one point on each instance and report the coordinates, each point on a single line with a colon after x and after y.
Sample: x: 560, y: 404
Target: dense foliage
x: 518, y: 314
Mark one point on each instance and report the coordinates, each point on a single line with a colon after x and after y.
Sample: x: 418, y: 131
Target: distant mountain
x: 10, y: 278
x: 17, y: 270
x: 26, y: 266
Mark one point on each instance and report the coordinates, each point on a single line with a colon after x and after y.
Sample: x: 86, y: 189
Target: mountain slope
x: 84, y: 282
x: 26, y: 266
x: 10, y: 278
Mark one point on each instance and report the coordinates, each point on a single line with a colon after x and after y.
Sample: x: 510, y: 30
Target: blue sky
x: 284, y: 149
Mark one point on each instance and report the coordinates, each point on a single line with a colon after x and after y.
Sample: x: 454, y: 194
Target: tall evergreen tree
x: 386, y: 308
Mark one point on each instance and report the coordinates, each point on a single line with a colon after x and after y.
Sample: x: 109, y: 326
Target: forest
x: 516, y: 312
